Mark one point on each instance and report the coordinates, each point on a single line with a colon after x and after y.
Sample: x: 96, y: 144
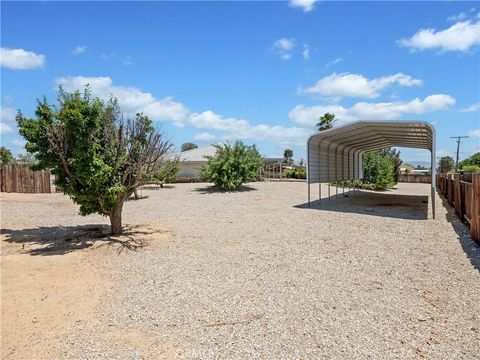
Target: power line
x: 458, y: 148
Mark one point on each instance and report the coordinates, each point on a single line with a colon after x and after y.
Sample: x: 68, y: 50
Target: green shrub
x: 378, y: 170
x: 168, y: 174
x: 296, y: 173
x: 232, y: 166
x: 471, y: 168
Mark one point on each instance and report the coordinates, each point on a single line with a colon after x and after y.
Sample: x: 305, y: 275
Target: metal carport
x: 336, y: 154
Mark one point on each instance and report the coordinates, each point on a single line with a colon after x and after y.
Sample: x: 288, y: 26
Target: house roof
x: 198, y: 154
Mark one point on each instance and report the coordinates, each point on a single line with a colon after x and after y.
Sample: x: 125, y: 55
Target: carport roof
x: 370, y: 135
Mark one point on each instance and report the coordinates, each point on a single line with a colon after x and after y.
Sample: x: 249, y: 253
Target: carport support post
x: 328, y: 170
x: 336, y: 172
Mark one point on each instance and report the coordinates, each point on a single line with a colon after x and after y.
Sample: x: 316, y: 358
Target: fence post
x: 450, y: 189
x: 458, y: 197
x: 475, y: 206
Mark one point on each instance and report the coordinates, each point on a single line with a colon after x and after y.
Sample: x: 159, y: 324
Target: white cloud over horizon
x: 205, y: 136
x: 20, y: 59
x: 132, y: 100
x: 461, y: 36
x: 474, y: 133
x: 308, y: 115
x: 305, y: 5
x: 79, y: 49
x: 471, y: 108
x: 306, y: 51
x: 283, y: 47
x: 357, y: 85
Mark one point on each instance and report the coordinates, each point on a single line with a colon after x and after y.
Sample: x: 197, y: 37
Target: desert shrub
x: 232, y: 166
x: 296, y: 173
x: 378, y: 170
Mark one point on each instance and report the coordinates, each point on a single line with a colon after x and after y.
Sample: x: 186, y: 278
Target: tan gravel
x: 257, y: 274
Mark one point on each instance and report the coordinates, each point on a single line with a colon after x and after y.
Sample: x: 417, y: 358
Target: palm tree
x: 326, y: 122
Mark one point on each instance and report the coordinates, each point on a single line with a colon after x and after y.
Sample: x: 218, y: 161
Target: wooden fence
x: 463, y: 193
x: 419, y: 179
x: 21, y: 179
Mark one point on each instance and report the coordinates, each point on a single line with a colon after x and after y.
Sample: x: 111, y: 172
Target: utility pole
x: 458, y: 148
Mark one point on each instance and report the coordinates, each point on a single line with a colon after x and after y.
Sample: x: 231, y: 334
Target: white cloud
x: 7, y: 114
x: 205, y: 136
x: 131, y: 99
x: 306, y: 5
x: 19, y: 59
x: 5, y: 128
x: 309, y: 115
x: 458, y: 17
x: 472, y: 108
x: 306, y: 52
x: 474, y: 133
x: 284, y: 47
x: 241, y: 129
x: 356, y: 85
x: 333, y: 62
x: 461, y: 36
x: 79, y: 49
x: 284, y: 44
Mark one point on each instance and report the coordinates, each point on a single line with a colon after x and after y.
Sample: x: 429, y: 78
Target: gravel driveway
x: 257, y: 274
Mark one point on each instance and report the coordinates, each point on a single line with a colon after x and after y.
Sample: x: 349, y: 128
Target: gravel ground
x: 257, y: 274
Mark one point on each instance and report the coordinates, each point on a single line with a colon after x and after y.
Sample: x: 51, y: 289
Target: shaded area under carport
x: 385, y: 204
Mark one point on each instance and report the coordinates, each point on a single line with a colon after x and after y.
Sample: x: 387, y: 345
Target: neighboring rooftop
x: 198, y: 154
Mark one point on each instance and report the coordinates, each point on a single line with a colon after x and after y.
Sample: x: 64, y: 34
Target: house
x: 191, y: 161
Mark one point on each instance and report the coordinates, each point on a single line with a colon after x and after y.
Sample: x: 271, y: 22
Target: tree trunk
x: 135, y: 193
x: 116, y: 219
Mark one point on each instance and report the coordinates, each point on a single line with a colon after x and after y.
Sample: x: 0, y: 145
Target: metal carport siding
x: 336, y: 154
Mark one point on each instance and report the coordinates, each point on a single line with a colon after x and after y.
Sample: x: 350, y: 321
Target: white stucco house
x: 192, y: 160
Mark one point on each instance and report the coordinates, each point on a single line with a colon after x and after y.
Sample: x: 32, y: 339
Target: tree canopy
x: 97, y: 157
x: 326, y: 122
x: 232, y: 166
x: 6, y: 156
x: 446, y: 164
x: 288, y: 156
x: 188, y: 146
x: 378, y: 170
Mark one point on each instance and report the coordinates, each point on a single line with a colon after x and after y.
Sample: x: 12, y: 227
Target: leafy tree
x: 471, y: 168
x: 394, y: 157
x: 6, y: 156
x: 472, y: 160
x: 326, y: 122
x: 188, y: 146
x: 288, y: 156
x: 25, y: 159
x: 98, y: 158
x: 168, y: 174
x: 446, y: 164
x: 302, y: 163
x: 378, y: 170
x: 232, y: 166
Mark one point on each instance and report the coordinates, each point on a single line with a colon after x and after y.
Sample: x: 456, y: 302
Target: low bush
x: 232, y: 166
x: 296, y: 173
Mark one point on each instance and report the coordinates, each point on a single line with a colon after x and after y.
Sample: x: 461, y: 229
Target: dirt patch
x: 52, y: 279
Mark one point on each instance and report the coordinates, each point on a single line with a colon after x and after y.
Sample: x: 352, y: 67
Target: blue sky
x: 259, y: 71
